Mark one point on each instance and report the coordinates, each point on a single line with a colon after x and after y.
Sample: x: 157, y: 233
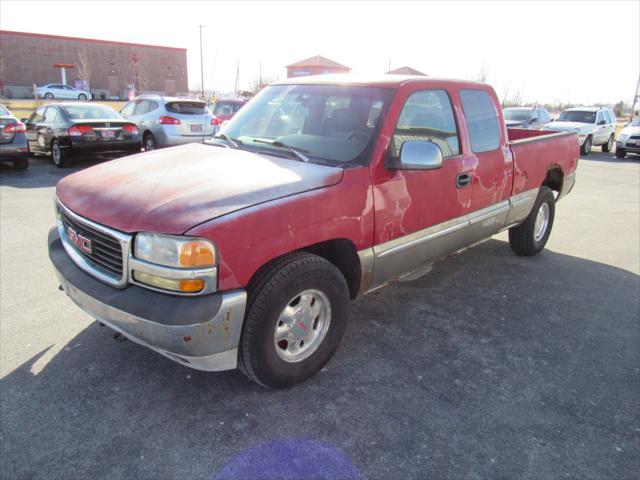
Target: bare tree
x: 482, y: 75
x: 84, y: 69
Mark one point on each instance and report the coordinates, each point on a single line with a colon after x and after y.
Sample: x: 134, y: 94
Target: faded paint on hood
x: 172, y: 190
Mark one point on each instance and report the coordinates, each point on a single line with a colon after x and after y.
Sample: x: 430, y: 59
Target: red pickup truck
x: 244, y: 252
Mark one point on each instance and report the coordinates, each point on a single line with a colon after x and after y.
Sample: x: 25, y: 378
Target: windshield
x: 517, y: 114
x: 577, y: 116
x: 330, y: 123
x: 635, y: 122
x: 4, y: 111
x: 90, y: 112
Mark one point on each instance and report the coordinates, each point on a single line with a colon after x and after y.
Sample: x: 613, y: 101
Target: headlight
x: 177, y: 252
x: 174, y: 263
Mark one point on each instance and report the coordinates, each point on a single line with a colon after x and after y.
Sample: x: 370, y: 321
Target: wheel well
x: 147, y: 132
x: 554, y: 178
x: 343, y: 254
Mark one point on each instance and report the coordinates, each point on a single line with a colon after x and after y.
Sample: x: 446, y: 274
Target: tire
x: 621, y: 153
x: 527, y: 239
x: 149, y: 142
x: 82, y: 96
x: 586, y: 146
x: 607, y: 147
x: 48, y: 96
x: 20, y: 163
x: 58, y: 154
x: 290, y: 287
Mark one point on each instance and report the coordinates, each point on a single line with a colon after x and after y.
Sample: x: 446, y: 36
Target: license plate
x: 196, y: 127
x: 108, y: 133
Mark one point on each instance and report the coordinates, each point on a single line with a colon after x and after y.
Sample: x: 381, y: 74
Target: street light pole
x: 201, y: 63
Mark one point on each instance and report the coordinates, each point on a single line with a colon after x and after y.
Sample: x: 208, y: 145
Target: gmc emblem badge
x: 82, y: 243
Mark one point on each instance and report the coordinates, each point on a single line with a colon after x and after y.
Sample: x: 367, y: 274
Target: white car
x: 594, y: 126
x: 629, y: 139
x: 61, y: 91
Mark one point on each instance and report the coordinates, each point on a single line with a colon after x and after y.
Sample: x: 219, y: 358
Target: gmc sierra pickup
x: 244, y: 252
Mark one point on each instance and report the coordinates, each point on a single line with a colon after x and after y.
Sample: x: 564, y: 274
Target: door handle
x: 463, y: 180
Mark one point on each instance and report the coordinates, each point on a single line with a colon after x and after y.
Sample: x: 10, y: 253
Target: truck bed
x: 535, y: 152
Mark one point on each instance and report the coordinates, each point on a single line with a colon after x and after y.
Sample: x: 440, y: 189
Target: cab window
x: 38, y: 115
x: 482, y: 120
x: 128, y: 108
x: 51, y: 115
x: 427, y: 115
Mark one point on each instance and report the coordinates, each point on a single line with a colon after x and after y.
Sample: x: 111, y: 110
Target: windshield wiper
x: 298, y: 152
x: 235, y: 143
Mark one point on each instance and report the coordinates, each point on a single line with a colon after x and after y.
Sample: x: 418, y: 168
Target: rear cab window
x: 427, y: 115
x: 482, y: 120
x: 187, y: 108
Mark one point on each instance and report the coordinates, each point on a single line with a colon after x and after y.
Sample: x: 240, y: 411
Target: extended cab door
x: 420, y: 214
x: 492, y: 178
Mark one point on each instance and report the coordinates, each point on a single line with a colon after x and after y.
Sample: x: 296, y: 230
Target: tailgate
x: 537, y: 151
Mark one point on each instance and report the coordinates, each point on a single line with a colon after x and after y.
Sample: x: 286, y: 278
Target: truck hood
x: 569, y: 126
x: 172, y: 190
x: 630, y: 130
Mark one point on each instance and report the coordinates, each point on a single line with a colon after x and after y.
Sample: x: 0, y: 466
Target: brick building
x: 112, y: 67
x: 317, y: 65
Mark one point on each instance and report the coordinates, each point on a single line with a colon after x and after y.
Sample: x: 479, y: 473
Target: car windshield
x: 187, y: 108
x: 635, y: 122
x: 91, y: 112
x: 579, y: 116
x: 331, y: 124
x: 517, y: 114
x: 4, y: 111
x: 225, y: 108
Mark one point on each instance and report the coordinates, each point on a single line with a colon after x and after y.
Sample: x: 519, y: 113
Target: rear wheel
x: 149, y: 142
x: 621, y: 153
x: 530, y: 237
x: 586, y: 146
x: 20, y: 163
x: 607, y: 147
x: 58, y: 155
x: 48, y: 95
x: 82, y: 96
x: 296, y: 317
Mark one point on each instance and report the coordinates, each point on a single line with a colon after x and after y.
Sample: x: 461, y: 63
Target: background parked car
x: 594, y: 126
x: 169, y: 121
x: 13, y: 140
x: 526, y: 117
x: 65, y: 129
x: 64, y: 92
x: 629, y: 139
x: 225, y: 109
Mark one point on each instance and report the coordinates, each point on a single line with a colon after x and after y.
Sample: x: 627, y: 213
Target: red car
x: 246, y: 251
x: 225, y: 109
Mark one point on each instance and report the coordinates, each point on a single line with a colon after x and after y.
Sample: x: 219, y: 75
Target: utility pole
x: 259, y: 75
x: 635, y: 98
x: 237, y: 75
x: 201, y: 63
x: 389, y: 69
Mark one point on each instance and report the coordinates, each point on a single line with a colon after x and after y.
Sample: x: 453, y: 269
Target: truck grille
x: 99, y: 251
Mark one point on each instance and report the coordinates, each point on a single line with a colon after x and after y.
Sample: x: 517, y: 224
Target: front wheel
x: 607, y: 147
x: 530, y: 237
x: 48, y: 96
x: 296, y: 317
x: 621, y: 153
x: 586, y: 146
x: 82, y: 96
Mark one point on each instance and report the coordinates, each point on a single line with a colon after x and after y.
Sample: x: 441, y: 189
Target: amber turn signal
x: 196, y: 254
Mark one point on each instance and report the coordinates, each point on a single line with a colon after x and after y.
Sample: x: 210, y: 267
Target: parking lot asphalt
x: 489, y: 366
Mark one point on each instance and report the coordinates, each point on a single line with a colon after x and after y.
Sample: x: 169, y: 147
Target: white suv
x: 594, y: 126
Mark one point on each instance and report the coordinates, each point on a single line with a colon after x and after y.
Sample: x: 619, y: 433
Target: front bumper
x: 199, y: 332
x: 627, y: 147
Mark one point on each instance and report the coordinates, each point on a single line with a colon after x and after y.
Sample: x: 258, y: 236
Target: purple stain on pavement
x: 290, y: 459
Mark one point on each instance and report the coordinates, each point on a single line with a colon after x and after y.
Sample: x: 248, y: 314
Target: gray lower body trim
x: 389, y: 260
x: 191, y: 345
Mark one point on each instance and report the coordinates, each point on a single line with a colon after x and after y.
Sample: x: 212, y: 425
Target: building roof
x: 80, y: 39
x: 406, y: 71
x: 317, y: 61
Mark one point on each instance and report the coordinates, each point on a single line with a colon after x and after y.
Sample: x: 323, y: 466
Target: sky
x: 577, y: 52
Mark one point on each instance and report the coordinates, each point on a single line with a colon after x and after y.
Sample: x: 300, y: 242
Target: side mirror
x: 417, y: 155
x: 602, y: 122
x: 534, y: 120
